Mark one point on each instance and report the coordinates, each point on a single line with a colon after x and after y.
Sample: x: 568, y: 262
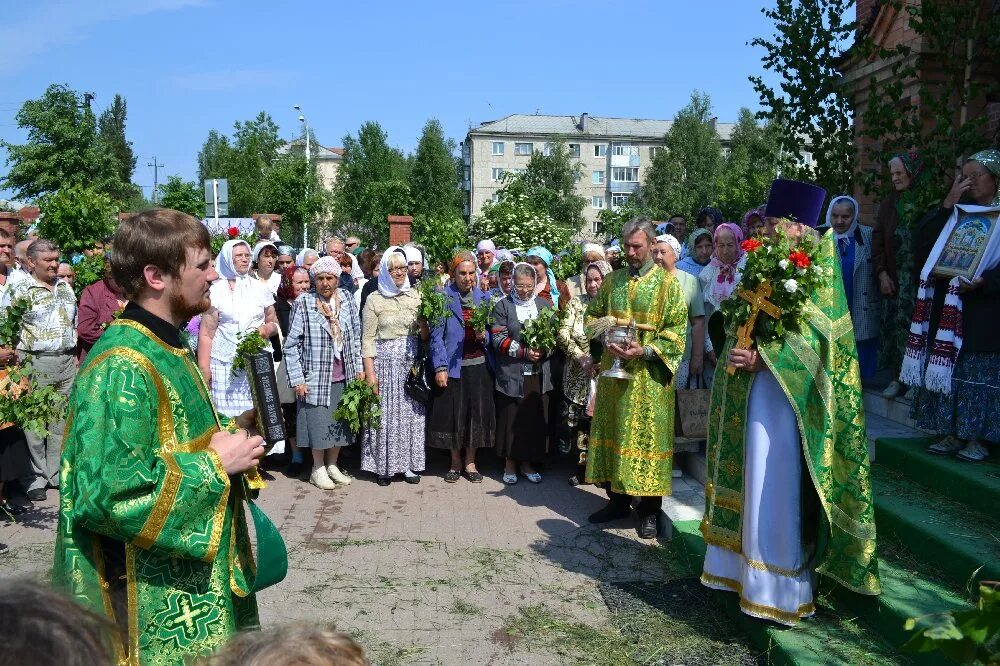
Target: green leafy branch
x: 433, y: 306
x: 965, y: 636
x: 248, y: 343
x: 359, y: 406
x: 540, y: 332
x: 482, y: 316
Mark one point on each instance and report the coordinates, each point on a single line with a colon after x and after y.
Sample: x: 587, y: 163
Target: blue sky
x: 188, y: 66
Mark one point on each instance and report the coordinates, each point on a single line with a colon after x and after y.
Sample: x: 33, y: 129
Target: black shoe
x: 384, y: 480
x: 647, y: 527
x: 412, y: 480
x: 610, y: 512
x: 36, y: 495
x: 12, y: 509
x: 295, y: 469
x: 4, y: 548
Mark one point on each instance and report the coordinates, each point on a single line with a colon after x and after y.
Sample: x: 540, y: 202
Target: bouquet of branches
x: 540, y: 332
x: 248, y: 343
x: 482, y: 316
x: 433, y: 307
x: 359, y: 406
x: 22, y: 401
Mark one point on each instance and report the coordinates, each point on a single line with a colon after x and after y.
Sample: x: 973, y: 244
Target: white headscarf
x: 526, y: 309
x: 259, y: 247
x: 356, y: 272
x: 413, y: 254
x: 674, y: 244
x: 593, y: 247
x: 224, y: 262
x: 300, y: 258
x: 386, y: 286
x: 854, y: 223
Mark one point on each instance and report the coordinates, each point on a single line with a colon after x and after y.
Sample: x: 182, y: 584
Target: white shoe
x: 892, y: 390
x: 677, y: 473
x: 337, y: 476
x: 910, y: 394
x: 321, y: 479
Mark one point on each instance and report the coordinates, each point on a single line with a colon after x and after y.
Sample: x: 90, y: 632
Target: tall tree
x: 371, y: 184
x: 683, y: 177
x: 291, y: 189
x: 111, y: 130
x: 214, y: 156
x: 432, y: 177
x: 182, y: 195
x: 755, y: 158
x: 810, y: 105
x: 62, y: 149
x: 551, y: 182
x: 243, y: 160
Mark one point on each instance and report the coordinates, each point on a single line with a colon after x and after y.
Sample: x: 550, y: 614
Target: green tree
x: 440, y: 235
x: 810, y: 105
x: 182, y: 195
x: 683, y: 177
x: 291, y: 189
x: 551, y: 185
x: 63, y: 148
x: 111, y: 131
x: 371, y: 184
x: 76, y: 217
x: 517, y: 220
x: 432, y: 179
x: 755, y: 158
x: 243, y: 161
x: 214, y: 156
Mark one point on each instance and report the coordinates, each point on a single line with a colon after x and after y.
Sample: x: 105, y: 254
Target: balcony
x: 620, y: 186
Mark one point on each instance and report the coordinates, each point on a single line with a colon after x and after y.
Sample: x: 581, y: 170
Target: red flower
x: 234, y: 232
x: 799, y: 258
x: 750, y: 244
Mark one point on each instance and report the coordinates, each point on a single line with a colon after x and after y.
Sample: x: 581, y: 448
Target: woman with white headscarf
x: 591, y: 253
x: 391, y: 334
x: 265, y: 258
x: 323, y: 353
x: 239, y: 304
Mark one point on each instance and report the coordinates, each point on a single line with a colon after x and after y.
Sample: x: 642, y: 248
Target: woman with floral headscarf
x: 582, y: 355
x: 892, y: 256
x: 753, y: 222
x: 720, y: 278
x: 953, y: 354
x: 239, y: 304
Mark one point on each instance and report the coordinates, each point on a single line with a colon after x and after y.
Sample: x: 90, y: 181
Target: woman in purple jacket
x: 461, y: 414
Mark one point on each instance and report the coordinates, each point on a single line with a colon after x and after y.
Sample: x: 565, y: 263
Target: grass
x: 465, y: 608
x: 381, y: 653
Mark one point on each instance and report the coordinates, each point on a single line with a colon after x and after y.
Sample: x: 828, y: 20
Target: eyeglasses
x: 398, y: 269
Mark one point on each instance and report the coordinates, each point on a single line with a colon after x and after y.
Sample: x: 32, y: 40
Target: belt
x: 66, y: 352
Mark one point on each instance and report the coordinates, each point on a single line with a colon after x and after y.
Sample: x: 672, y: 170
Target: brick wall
x: 400, y: 229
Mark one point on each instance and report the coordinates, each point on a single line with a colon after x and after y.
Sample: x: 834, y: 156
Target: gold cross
x: 758, y: 303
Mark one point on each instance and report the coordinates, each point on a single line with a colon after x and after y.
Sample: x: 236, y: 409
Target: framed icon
x: 966, y: 244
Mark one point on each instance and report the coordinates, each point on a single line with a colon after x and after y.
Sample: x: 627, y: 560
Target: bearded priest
x: 788, y: 494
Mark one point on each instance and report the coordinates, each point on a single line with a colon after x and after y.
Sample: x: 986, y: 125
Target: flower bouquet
x: 359, y: 406
x: 22, y: 401
x: 248, y: 343
x: 433, y: 307
x: 540, y: 332
x: 779, y: 275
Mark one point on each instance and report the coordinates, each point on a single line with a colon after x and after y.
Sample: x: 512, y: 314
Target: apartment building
x: 614, y: 154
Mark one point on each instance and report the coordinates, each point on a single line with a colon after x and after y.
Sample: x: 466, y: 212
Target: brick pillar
x: 400, y: 228
x: 10, y: 222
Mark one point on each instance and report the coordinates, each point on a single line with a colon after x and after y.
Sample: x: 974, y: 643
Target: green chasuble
x: 151, y: 532
x: 632, y: 431
x: 817, y: 369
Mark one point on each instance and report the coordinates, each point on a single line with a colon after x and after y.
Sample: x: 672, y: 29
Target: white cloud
x: 233, y: 79
x: 66, y: 22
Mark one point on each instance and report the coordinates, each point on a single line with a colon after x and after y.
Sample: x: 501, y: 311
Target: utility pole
x: 87, y: 99
x: 305, y: 129
x: 156, y: 176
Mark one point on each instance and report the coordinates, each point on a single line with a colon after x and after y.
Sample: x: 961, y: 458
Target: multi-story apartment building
x: 614, y: 154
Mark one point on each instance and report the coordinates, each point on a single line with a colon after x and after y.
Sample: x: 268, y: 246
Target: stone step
x: 948, y: 534
x: 895, y: 409
x: 977, y: 485
x: 831, y: 637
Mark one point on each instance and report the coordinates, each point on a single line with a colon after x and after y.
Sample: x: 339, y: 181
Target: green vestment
x: 817, y: 369
x: 632, y: 431
x: 151, y: 533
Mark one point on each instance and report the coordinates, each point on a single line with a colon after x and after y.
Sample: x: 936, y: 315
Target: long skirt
x: 522, y: 429
x: 14, y: 460
x: 398, y: 443
x: 972, y: 409
x: 317, y: 429
x: 462, y: 415
x: 771, y: 575
x: 231, y: 394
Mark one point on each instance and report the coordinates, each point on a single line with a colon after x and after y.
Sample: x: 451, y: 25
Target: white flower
x: 783, y: 263
x: 791, y: 286
x: 801, y: 271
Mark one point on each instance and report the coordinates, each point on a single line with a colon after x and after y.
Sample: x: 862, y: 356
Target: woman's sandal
x: 452, y: 476
x: 474, y: 477
x: 509, y: 478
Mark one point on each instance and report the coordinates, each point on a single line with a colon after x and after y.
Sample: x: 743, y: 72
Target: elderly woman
x: 505, y: 280
x: 294, y: 283
x: 240, y: 305
x: 523, y: 379
x: 265, y: 258
x: 720, y: 277
x: 306, y: 258
x: 546, y: 288
x: 592, y: 252
x: 960, y: 397
x: 392, y: 330
x: 753, y: 222
x: 461, y: 416
x: 892, y: 257
x: 665, y: 254
x: 700, y: 248
x: 323, y: 352
x: 580, y: 368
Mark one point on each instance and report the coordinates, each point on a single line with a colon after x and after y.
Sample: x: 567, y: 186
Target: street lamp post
x: 305, y: 126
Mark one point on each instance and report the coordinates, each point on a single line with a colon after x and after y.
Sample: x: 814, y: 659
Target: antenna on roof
x: 537, y: 111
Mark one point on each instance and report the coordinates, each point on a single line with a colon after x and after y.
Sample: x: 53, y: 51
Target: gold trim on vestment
x: 109, y: 609
x: 759, y: 610
x: 219, y: 518
x: 164, y: 504
x: 133, y: 606
x: 630, y: 452
x: 814, y: 366
x: 149, y: 334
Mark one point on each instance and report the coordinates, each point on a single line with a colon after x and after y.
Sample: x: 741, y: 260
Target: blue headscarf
x: 546, y: 256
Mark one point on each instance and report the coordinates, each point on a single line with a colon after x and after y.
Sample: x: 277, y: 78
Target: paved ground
x: 433, y: 573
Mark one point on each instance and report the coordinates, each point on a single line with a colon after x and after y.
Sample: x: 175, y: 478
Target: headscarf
x: 714, y: 213
x: 413, y: 254
x: 356, y: 272
x: 463, y: 256
x: 326, y: 264
x: 259, y: 247
x: 602, y: 267
x: 286, y: 249
x: 759, y: 211
x: 224, y: 263
x: 728, y: 274
x: 696, y: 234
x: 854, y: 222
x: 990, y: 158
x: 504, y: 255
x: 526, y: 310
x: 905, y: 200
x: 486, y: 246
x: 541, y: 253
x: 592, y: 247
x: 300, y: 258
x: 386, y: 286
x: 285, y: 289
x: 674, y: 244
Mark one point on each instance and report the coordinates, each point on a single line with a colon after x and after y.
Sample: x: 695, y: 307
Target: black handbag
x: 418, y: 386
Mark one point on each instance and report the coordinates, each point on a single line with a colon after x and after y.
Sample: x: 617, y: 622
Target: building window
x: 625, y: 149
x: 574, y: 149
x: 654, y: 151
x: 495, y: 197
x: 619, y: 199
x: 547, y: 150
x: 597, y: 202
x: 496, y: 174
x: 522, y: 149
x: 597, y: 177
x: 498, y: 147
x: 625, y: 174
x: 601, y: 150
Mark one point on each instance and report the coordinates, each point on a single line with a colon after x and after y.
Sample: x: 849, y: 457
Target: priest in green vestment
x: 632, y: 431
x: 788, y: 493
x: 151, y: 529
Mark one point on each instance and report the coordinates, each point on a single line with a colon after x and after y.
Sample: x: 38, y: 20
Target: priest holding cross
x: 788, y: 493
